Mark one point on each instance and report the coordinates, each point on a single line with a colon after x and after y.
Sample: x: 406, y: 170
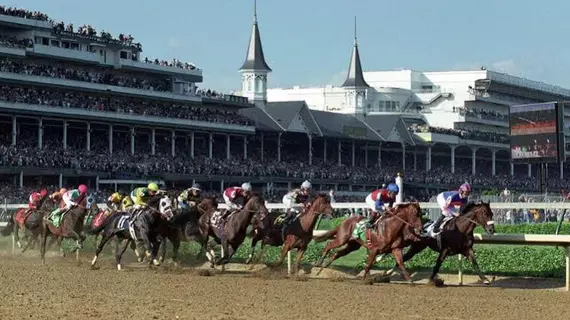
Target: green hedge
x: 537, y: 261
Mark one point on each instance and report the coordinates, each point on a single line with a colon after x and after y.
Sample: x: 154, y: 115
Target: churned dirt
x: 62, y: 289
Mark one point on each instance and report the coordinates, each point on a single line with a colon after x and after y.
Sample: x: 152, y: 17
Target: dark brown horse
x: 389, y: 235
x: 71, y: 227
x: 29, y: 222
x: 298, y: 234
x: 456, y: 237
x: 232, y: 231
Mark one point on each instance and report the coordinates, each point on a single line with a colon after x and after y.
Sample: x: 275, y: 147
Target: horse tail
x: 9, y: 228
x: 327, y: 235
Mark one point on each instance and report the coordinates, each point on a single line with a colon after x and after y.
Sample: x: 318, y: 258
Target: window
x: 123, y: 55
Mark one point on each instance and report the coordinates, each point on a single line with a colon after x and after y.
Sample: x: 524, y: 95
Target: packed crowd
x: 484, y: 114
x: 13, y: 42
x: 93, y: 102
x: 464, y: 134
x: 23, y: 13
x: 174, y: 63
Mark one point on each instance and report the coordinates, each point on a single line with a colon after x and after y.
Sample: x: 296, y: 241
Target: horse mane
x: 154, y: 200
x: 469, y: 206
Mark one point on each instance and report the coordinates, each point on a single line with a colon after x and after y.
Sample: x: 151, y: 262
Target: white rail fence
x: 503, y: 239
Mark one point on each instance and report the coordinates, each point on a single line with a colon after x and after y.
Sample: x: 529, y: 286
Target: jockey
x: 141, y: 195
x: 57, y: 196
x: 114, y: 201
x: 449, y: 200
x: 297, y: 196
x: 189, y: 197
x: 126, y: 204
x: 380, y: 200
x: 232, y: 194
x: 34, y: 199
x: 71, y: 199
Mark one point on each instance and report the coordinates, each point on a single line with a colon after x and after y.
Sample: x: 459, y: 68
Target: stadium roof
x: 391, y: 128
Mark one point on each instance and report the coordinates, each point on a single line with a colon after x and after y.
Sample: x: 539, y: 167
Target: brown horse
x: 29, y: 222
x: 298, y: 234
x: 71, y: 227
x: 231, y: 232
x: 456, y: 237
x: 389, y: 235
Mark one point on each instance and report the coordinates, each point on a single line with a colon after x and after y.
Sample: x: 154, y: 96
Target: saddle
x: 428, y: 227
x: 23, y: 214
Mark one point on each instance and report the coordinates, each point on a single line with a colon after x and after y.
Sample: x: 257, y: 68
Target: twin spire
x: 255, y: 59
x: 355, y: 77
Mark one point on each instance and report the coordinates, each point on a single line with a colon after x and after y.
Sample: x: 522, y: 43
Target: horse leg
x: 119, y: 253
x: 251, y: 254
x: 43, y: 242
x: 175, y: 248
x: 284, y: 250
x: 470, y: 254
x: 438, y: 263
x: 100, y: 247
x: 227, y: 252
x: 351, y: 246
x: 261, y: 253
x: 155, y: 246
x: 162, y: 255
x: 369, y: 262
x: 397, y: 253
x: 300, y: 253
x: 412, y: 251
x: 15, y: 236
x: 337, y: 242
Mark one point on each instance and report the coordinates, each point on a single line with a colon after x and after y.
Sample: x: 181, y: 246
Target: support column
x: 453, y: 159
x: 366, y: 155
x: 245, y: 147
x: 228, y: 147
x: 380, y: 155
x: 88, y: 136
x: 41, y: 133
x: 173, y: 143
x: 561, y: 170
x: 64, y: 134
x: 21, y: 179
x: 404, y: 157
x: 110, y: 139
x: 14, y: 131
x: 153, y: 141
x: 279, y: 147
x: 428, y: 159
x: 339, y: 153
x: 310, y: 150
x: 473, y: 161
x: 262, y: 147
x: 529, y: 170
x: 192, y: 144
x: 416, y: 159
x: 353, y: 153
x: 325, y: 150
x: 512, y: 169
x: 210, y: 145
x: 61, y: 180
x: 493, y: 162
x: 132, y: 140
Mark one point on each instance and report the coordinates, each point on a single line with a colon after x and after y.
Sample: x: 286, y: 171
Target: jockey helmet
x: 82, y: 189
x: 152, y: 186
x: 62, y: 191
x: 196, y: 187
x: 392, y: 187
x: 246, y: 186
x: 466, y: 187
x: 306, y: 185
x: 115, y: 197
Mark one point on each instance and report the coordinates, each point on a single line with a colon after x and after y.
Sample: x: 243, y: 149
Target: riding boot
x: 436, y: 228
x: 371, y: 219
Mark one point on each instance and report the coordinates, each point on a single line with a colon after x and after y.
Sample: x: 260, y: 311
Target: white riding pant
x: 370, y: 203
x: 442, y: 205
x: 230, y: 204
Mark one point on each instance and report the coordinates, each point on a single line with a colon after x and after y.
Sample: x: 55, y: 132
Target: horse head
x: 207, y: 204
x: 256, y: 205
x: 165, y: 207
x: 412, y: 214
x: 482, y: 214
x: 321, y: 204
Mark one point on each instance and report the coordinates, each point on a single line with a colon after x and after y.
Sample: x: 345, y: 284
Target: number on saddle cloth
x: 123, y: 223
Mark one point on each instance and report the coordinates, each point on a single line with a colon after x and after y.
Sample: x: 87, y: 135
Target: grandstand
x: 77, y: 105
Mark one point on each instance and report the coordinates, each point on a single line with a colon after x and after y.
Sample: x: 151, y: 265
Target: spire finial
x: 255, y: 11
x: 355, y: 37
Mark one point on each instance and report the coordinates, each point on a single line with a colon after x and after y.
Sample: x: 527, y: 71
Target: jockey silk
x: 381, y: 199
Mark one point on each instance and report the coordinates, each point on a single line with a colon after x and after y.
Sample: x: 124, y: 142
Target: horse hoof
x: 156, y: 262
x: 486, y: 282
x: 119, y: 268
x: 437, y: 282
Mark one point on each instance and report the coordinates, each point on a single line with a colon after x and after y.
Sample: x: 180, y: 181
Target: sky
x: 308, y: 42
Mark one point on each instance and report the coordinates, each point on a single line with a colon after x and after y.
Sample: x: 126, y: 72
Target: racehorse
x: 29, y: 222
x: 142, y: 229
x: 456, y: 237
x: 389, y: 235
x: 231, y: 232
x: 71, y: 227
x: 299, y: 232
x: 185, y: 226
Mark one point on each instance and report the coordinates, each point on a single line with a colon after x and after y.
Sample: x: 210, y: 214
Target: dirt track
x: 63, y: 290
